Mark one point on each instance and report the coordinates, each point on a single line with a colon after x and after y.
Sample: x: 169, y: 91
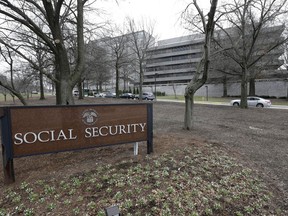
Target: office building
x: 172, y: 63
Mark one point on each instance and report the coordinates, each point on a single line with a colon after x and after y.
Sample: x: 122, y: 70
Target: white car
x: 101, y: 94
x: 146, y: 96
x: 75, y: 93
x: 253, y: 102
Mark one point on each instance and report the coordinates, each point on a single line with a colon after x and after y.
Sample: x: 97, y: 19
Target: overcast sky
x: 165, y: 13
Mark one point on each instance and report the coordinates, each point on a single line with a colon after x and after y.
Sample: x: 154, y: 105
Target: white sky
x: 165, y: 13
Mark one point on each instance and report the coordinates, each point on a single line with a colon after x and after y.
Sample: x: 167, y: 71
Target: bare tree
x: 249, y: 22
x: 97, y: 67
x: 31, y: 50
x: 56, y: 16
x: 117, y: 43
x: 9, y: 84
x: 142, y: 39
x: 43, y: 60
x: 201, y: 74
x: 225, y: 68
x: 127, y: 75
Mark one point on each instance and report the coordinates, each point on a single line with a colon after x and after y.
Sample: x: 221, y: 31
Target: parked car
x: 110, y: 95
x: 253, y: 102
x: 100, y: 94
x: 146, y: 96
x: 127, y: 96
x: 75, y: 93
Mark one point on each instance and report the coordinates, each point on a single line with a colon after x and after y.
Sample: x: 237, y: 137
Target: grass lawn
x: 170, y: 97
x: 219, y: 100
x: 10, y: 98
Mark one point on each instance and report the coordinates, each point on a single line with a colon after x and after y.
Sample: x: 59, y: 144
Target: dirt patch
x: 256, y: 137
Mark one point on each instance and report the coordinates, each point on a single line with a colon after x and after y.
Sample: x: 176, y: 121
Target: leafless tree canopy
x: 250, y: 36
x: 247, y: 33
x: 56, y: 26
x: 142, y: 38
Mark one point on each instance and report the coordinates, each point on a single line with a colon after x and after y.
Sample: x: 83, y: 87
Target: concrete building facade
x: 173, y: 61
x: 265, y: 87
x: 172, y: 64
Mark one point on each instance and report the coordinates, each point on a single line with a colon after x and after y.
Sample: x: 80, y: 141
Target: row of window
x: 177, y: 49
x: 159, y: 76
x: 174, y: 58
x: 184, y: 81
x: 171, y: 67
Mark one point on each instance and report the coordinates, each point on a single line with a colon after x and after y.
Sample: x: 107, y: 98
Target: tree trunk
x: 200, y: 77
x: 20, y: 97
x: 14, y: 93
x: 174, y: 90
x: 124, y: 80
x: 100, y: 88
x: 66, y: 80
x: 117, y: 82
x: 243, y: 103
x: 141, y: 82
x: 252, y: 88
x: 64, y: 89
x: 80, y: 90
x: 189, y: 107
x: 287, y: 92
x: 66, y: 93
x: 63, y: 84
x: 42, y: 97
x: 225, y: 94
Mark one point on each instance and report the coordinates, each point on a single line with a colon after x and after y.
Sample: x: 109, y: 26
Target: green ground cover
x: 193, y: 181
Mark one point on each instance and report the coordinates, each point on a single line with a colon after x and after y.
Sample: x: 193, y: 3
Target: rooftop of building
x: 178, y: 41
x: 198, y: 37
